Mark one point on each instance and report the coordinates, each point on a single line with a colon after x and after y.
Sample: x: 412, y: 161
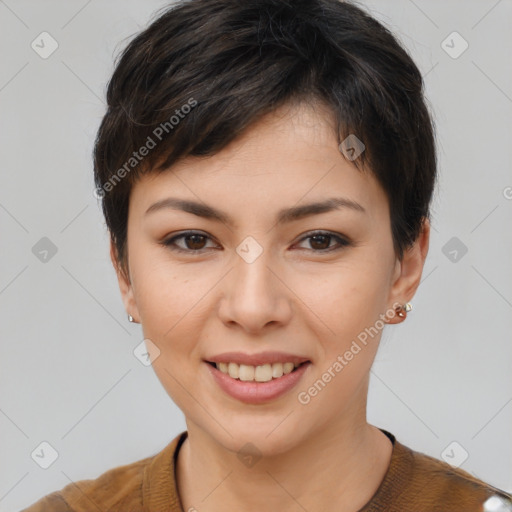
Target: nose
x: 255, y: 295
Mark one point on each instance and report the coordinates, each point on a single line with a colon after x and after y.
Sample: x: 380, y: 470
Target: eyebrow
x: 283, y: 216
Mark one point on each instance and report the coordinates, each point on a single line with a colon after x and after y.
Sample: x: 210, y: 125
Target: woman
x: 266, y: 170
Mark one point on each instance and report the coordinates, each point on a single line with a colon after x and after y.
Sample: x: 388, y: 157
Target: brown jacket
x: 414, y: 482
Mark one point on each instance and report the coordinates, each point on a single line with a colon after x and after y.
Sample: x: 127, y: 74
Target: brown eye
x: 321, y: 242
x: 195, y: 242
x: 192, y: 242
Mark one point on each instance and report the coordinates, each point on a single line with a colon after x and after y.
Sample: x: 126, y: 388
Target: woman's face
x: 260, y: 281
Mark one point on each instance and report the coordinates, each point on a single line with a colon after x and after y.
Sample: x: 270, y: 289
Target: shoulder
x: 119, y: 488
x: 431, y: 484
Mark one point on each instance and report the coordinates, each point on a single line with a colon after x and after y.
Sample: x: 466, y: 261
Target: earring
x: 403, y: 310
x: 130, y: 318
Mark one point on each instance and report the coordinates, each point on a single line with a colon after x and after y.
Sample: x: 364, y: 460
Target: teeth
x: 246, y: 372
x: 233, y: 370
x: 263, y: 373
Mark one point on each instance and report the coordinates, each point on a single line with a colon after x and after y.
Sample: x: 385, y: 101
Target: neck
x: 338, y: 467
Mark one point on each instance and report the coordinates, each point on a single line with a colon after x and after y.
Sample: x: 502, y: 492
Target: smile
x: 251, y: 391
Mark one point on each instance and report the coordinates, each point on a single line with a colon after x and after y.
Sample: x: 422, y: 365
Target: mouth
x: 260, y: 373
x: 252, y: 385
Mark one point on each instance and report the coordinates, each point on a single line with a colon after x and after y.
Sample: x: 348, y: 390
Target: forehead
x: 289, y: 157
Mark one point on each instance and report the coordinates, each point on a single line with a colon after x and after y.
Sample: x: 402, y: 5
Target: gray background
x: 68, y: 375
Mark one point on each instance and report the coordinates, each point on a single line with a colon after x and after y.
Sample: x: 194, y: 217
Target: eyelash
x: 342, y: 242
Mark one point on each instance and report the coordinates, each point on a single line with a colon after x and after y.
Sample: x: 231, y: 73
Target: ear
x: 407, y: 275
x: 125, y: 286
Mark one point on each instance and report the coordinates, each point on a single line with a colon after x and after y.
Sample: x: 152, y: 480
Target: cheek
x: 348, y: 329
x: 168, y: 298
x: 346, y: 300
x: 169, y: 304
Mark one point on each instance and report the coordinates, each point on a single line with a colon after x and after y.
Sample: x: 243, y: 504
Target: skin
x: 295, y: 297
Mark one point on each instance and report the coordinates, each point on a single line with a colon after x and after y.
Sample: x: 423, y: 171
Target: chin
x: 264, y: 438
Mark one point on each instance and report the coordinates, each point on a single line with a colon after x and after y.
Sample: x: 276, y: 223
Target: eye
x: 320, y: 241
x: 194, y: 242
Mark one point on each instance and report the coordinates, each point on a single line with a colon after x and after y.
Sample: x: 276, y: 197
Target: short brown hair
x: 205, y: 70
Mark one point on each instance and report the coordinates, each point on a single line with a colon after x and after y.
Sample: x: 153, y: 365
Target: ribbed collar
x: 398, y: 474
x: 160, y: 488
x: 159, y: 485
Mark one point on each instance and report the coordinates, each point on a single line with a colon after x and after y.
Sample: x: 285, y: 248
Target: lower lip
x: 257, y: 392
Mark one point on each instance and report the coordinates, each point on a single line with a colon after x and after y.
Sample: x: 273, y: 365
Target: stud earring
x: 130, y: 318
x: 402, y: 311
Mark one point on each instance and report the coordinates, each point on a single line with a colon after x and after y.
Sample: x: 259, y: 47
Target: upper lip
x: 257, y: 359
